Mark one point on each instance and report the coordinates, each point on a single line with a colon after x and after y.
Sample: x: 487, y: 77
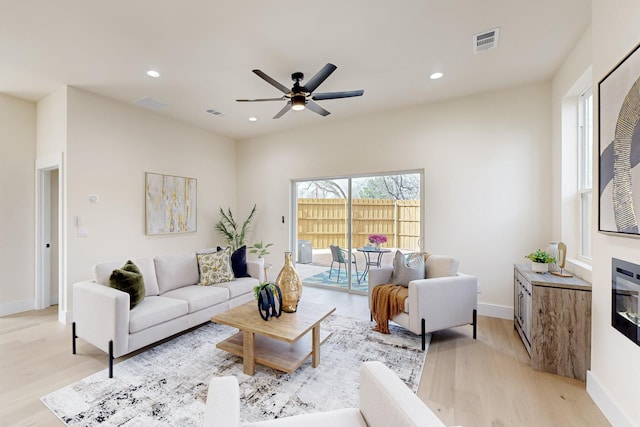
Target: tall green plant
x: 233, y: 232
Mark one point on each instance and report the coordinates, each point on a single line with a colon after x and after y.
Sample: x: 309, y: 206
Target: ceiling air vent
x: 151, y: 104
x: 486, y: 41
x: 215, y: 113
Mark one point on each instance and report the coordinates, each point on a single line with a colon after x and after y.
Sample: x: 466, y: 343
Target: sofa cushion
x: 441, y: 266
x: 239, y: 286
x: 239, y: 261
x: 102, y: 272
x: 129, y: 279
x: 407, y: 268
x: 176, y: 271
x: 215, y: 267
x: 199, y: 297
x: 154, y: 310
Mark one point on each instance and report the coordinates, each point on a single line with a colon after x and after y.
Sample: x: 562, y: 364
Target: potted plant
x: 233, y: 232
x: 540, y: 261
x: 260, y: 249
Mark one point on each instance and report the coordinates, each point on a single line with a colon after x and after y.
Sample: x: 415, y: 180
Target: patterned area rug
x: 167, y: 384
x: 341, y: 282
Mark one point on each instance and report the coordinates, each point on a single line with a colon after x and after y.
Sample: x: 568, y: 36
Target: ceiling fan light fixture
x: 298, y: 102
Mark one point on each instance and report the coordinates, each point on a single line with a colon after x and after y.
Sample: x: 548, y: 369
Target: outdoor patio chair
x: 340, y: 256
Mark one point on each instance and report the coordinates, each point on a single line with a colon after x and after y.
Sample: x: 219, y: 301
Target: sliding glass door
x: 344, y: 226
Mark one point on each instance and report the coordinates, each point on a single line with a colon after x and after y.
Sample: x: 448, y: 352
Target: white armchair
x: 385, y: 401
x: 434, y: 303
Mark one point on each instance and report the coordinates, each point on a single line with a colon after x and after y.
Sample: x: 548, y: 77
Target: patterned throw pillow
x: 239, y: 262
x: 406, y: 269
x: 215, y: 267
x: 129, y: 279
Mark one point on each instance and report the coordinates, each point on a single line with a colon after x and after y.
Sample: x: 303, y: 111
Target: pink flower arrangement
x: 377, y: 238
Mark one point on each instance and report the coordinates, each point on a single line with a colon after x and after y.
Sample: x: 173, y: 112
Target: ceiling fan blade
x: 271, y: 81
x: 320, y: 76
x: 316, y: 108
x: 284, y: 110
x: 336, y: 95
x: 261, y: 99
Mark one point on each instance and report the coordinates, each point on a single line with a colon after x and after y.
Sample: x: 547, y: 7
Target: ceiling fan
x: 299, y: 96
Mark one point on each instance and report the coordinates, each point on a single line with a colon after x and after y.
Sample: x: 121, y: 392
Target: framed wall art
x: 170, y: 204
x: 619, y: 148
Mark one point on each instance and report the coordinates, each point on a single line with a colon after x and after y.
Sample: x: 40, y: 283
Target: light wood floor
x: 486, y: 382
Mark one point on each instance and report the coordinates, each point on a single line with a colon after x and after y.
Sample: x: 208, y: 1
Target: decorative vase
x: 290, y: 284
x: 269, y: 301
x: 552, y: 250
x: 539, y: 267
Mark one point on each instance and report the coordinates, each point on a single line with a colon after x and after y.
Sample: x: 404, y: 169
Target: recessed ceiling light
x: 436, y: 76
x: 253, y: 119
x: 153, y: 73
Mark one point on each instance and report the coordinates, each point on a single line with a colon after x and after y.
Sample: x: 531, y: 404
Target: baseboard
x: 65, y: 317
x: 9, y: 308
x: 494, y: 310
x: 603, y: 400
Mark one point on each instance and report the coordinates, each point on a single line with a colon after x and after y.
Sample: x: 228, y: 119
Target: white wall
x: 17, y: 217
x: 110, y: 147
x: 615, y: 360
x: 52, y: 124
x: 487, y: 170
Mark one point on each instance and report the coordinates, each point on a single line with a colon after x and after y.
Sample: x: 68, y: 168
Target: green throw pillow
x: 129, y: 279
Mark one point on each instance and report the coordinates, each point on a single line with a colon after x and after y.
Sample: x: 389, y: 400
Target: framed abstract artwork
x: 619, y: 148
x: 170, y: 204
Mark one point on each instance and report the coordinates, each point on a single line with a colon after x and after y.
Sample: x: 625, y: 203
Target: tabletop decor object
x: 377, y: 239
x: 269, y: 298
x: 540, y: 261
x: 289, y: 282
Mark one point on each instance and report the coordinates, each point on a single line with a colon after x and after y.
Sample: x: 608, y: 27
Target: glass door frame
x: 293, y: 230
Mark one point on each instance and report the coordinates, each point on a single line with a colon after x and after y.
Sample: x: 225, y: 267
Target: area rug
x: 167, y: 384
x: 324, y: 279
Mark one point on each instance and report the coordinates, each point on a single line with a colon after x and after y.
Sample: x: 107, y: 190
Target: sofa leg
x: 423, y: 334
x: 73, y: 337
x: 371, y: 316
x: 475, y: 323
x: 111, y: 359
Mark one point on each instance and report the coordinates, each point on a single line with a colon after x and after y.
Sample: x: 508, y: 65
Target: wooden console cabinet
x: 552, y: 314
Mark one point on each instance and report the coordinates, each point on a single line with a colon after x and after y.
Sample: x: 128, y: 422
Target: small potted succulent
x: 540, y: 261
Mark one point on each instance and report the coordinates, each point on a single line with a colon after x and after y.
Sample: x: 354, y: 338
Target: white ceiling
x: 206, y: 49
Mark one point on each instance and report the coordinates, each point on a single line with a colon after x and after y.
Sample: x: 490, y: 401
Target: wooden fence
x: 324, y: 222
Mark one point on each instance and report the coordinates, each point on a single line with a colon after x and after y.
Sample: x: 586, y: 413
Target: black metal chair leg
x: 73, y: 337
x: 475, y: 323
x: 423, y: 334
x: 110, y: 359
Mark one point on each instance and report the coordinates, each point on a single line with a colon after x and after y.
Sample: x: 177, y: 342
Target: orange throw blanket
x: 387, y: 301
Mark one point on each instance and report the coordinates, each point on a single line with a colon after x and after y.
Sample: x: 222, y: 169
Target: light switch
x: 83, y: 232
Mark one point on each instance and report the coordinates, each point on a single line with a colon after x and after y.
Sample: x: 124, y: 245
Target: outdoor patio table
x: 368, y: 251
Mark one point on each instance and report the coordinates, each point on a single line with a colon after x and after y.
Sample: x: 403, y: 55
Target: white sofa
x: 173, y: 302
x: 445, y: 299
x: 385, y: 401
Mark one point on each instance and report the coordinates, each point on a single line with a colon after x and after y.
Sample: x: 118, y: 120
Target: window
x: 585, y: 170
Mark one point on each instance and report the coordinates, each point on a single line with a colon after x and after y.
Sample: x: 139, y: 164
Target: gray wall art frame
x: 619, y: 148
x: 170, y: 204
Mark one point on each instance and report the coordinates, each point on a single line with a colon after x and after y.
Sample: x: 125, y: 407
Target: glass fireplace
x: 625, y: 299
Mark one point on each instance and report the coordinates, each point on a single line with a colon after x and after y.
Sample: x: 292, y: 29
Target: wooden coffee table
x: 282, y: 343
